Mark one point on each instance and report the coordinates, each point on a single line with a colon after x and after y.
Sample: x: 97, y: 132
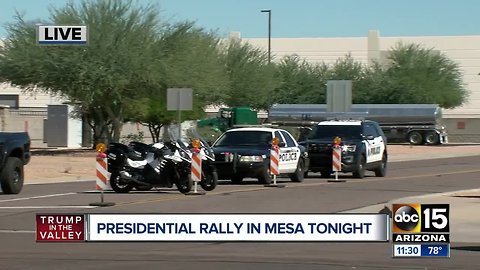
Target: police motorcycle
x: 200, y: 145
x: 141, y: 166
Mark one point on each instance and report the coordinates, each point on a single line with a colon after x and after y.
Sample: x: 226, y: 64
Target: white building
x: 463, y: 123
x: 15, y: 97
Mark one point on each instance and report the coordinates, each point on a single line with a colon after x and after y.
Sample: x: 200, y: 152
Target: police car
x: 363, y: 145
x: 245, y: 152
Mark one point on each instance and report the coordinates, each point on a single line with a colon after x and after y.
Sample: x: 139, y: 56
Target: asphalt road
x: 18, y: 249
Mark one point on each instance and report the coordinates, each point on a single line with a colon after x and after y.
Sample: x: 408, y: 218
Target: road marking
x: 178, y: 197
x: 39, y: 197
x: 50, y: 207
x: 294, y: 185
x: 389, y: 178
x: 16, y: 231
x: 406, y: 157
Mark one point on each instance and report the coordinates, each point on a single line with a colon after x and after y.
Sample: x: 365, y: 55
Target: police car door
x: 374, y: 146
x: 292, y: 152
x: 282, y: 162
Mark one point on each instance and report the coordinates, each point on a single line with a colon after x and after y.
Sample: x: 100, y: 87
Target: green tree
x: 189, y: 58
x: 251, y: 77
x: 411, y: 74
x: 415, y: 74
x: 304, y: 82
x: 152, y: 113
x: 102, y: 76
x: 192, y: 59
x: 300, y: 81
x: 347, y: 68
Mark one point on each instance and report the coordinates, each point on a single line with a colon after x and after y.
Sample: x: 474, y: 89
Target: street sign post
x: 339, y: 96
x: 179, y: 99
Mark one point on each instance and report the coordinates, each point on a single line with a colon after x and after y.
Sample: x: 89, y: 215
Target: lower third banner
x: 237, y: 227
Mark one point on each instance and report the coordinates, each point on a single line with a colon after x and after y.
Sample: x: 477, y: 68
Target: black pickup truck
x: 14, y: 154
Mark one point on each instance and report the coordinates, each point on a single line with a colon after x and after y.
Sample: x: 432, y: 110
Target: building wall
x: 30, y: 99
x: 463, y: 130
x: 32, y: 121
x: 315, y: 50
x: 19, y: 120
x: 464, y: 50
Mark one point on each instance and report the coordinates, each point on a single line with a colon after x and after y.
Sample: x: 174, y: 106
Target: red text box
x: 60, y: 228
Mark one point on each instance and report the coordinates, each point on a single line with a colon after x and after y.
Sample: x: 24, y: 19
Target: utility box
x: 244, y: 116
x: 60, y: 129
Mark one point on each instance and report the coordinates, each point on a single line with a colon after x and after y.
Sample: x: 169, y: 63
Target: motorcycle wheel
x: 118, y: 184
x: 209, y: 180
x: 185, y: 183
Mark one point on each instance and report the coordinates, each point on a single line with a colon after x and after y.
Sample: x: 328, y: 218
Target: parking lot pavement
x: 74, y: 167
x: 464, y: 206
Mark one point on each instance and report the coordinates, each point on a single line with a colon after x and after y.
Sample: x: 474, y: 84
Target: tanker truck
x: 413, y: 123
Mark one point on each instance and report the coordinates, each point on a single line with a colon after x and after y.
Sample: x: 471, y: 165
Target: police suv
x: 245, y: 152
x: 363, y: 147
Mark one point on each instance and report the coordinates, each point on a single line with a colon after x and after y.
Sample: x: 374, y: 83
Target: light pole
x: 269, y: 33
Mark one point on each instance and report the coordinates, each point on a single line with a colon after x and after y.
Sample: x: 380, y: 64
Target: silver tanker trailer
x: 413, y: 123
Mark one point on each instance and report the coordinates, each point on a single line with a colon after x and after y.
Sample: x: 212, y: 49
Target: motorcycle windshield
x: 177, y: 141
x: 193, y: 134
x: 187, y: 137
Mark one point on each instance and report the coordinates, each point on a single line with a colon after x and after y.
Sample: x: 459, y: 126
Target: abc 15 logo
x: 420, y: 218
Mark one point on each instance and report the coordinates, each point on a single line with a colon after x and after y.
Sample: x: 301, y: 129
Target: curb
x: 401, y: 200
x: 433, y: 195
x: 433, y: 156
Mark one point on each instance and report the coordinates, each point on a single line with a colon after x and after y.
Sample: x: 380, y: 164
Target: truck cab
x: 229, y: 118
x: 14, y: 154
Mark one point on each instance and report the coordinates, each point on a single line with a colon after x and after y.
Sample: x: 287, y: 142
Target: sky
x: 299, y: 18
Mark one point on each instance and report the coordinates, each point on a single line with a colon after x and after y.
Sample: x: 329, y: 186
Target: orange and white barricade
x: 103, y: 176
x: 274, y: 156
x: 196, y: 167
x: 274, y: 162
x: 102, y: 172
x: 337, y: 158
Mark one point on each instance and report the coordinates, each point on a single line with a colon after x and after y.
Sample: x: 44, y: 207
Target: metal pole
x: 269, y: 33
x: 179, y: 113
x: 269, y: 36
